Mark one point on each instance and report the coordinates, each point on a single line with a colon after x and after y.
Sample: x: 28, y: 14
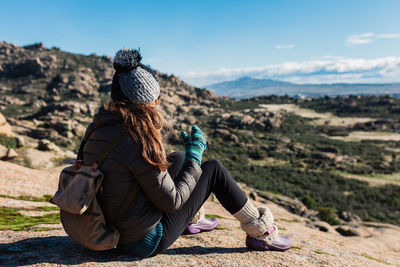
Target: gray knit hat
x: 138, y: 82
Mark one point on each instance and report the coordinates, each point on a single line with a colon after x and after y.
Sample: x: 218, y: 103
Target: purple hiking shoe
x: 201, y: 226
x: 280, y: 243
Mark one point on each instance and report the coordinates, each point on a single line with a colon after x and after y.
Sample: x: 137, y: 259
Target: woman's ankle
x: 247, y: 213
x: 256, y: 222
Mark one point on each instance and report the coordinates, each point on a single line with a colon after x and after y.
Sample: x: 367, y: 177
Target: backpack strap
x: 79, y: 159
x: 107, y: 151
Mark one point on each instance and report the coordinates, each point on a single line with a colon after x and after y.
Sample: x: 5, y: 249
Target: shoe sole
x: 281, y: 243
x: 199, y: 227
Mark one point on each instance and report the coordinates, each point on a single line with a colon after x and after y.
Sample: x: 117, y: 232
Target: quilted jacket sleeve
x: 88, y: 129
x: 166, y: 194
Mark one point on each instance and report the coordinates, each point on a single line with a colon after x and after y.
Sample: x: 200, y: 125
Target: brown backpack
x: 81, y: 215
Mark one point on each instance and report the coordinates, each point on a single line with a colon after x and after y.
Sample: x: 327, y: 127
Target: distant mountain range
x: 246, y: 87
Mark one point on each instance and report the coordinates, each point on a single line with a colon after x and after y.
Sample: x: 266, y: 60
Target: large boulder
x: 79, y: 130
x: 11, y: 153
x: 322, y: 226
x: 65, y: 110
x: 226, y: 135
x: 7, y: 153
x: 274, y: 120
x: 47, y: 145
x: 3, y: 151
x: 11, y: 100
x: 75, y: 84
x: 38, y: 159
x: 5, y: 127
x: 348, y: 230
x: 205, y: 94
x: 37, y: 67
x: 20, y: 140
x: 239, y: 121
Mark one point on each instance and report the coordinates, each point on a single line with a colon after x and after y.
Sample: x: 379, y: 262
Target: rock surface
x: 3, y: 151
x: 16, y: 180
x: 222, y: 247
x: 5, y: 127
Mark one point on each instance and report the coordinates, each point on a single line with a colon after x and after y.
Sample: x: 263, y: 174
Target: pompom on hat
x: 133, y: 80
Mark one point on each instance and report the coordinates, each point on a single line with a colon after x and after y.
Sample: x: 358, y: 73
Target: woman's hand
x: 194, y: 146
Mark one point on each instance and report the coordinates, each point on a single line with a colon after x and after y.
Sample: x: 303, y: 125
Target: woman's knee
x: 176, y: 159
x: 177, y: 156
x: 212, y: 163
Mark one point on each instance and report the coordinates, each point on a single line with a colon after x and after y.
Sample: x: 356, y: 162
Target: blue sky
x: 203, y: 42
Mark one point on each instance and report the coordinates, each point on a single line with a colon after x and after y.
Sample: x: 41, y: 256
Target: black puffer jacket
x: 158, y: 194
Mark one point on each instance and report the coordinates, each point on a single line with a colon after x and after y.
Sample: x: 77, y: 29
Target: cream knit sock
x: 256, y: 221
x: 247, y: 213
x: 198, y: 216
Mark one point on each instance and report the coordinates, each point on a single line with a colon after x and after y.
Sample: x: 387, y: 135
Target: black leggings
x: 214, y: 179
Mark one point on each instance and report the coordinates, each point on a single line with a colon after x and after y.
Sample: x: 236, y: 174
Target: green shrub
x: 7, y: 141
x: 257, y: 153
x: 328, y: 215
x: 235, y: 157
x: 309, y: 202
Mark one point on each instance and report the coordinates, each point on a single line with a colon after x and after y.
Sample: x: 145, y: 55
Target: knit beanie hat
x: 132, y: 80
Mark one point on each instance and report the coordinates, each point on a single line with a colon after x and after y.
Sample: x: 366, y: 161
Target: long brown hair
x: 144, y: 123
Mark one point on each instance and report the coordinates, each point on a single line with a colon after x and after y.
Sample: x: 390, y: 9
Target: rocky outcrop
x: 35, y: 67
x: 65, y: 90
x: 5, y: 127
x: 81, y: 82
x: 3, y: 151
x: 248, y: 119
x: 64, y: 86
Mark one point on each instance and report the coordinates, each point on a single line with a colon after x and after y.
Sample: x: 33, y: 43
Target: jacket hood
x: 104, y: 116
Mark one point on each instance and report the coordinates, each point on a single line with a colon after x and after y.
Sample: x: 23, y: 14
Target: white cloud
x: 329, y: 69
x: 285, y: 46
x: 388, y: 35
x: 369, y: 37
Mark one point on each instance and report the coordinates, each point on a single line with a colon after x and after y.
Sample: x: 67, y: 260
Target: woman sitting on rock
x: 174, y: 187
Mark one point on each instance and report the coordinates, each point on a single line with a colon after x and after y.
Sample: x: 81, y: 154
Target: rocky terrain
x: 50, y: 96
x: 335, y: 197
x: 47, y: 244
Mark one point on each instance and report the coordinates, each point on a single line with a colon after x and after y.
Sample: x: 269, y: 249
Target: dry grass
x: 267, y: 161
x: 362, y: 135
x: 319, y: 118
x: 332, y: 120
x: 374, y: 180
